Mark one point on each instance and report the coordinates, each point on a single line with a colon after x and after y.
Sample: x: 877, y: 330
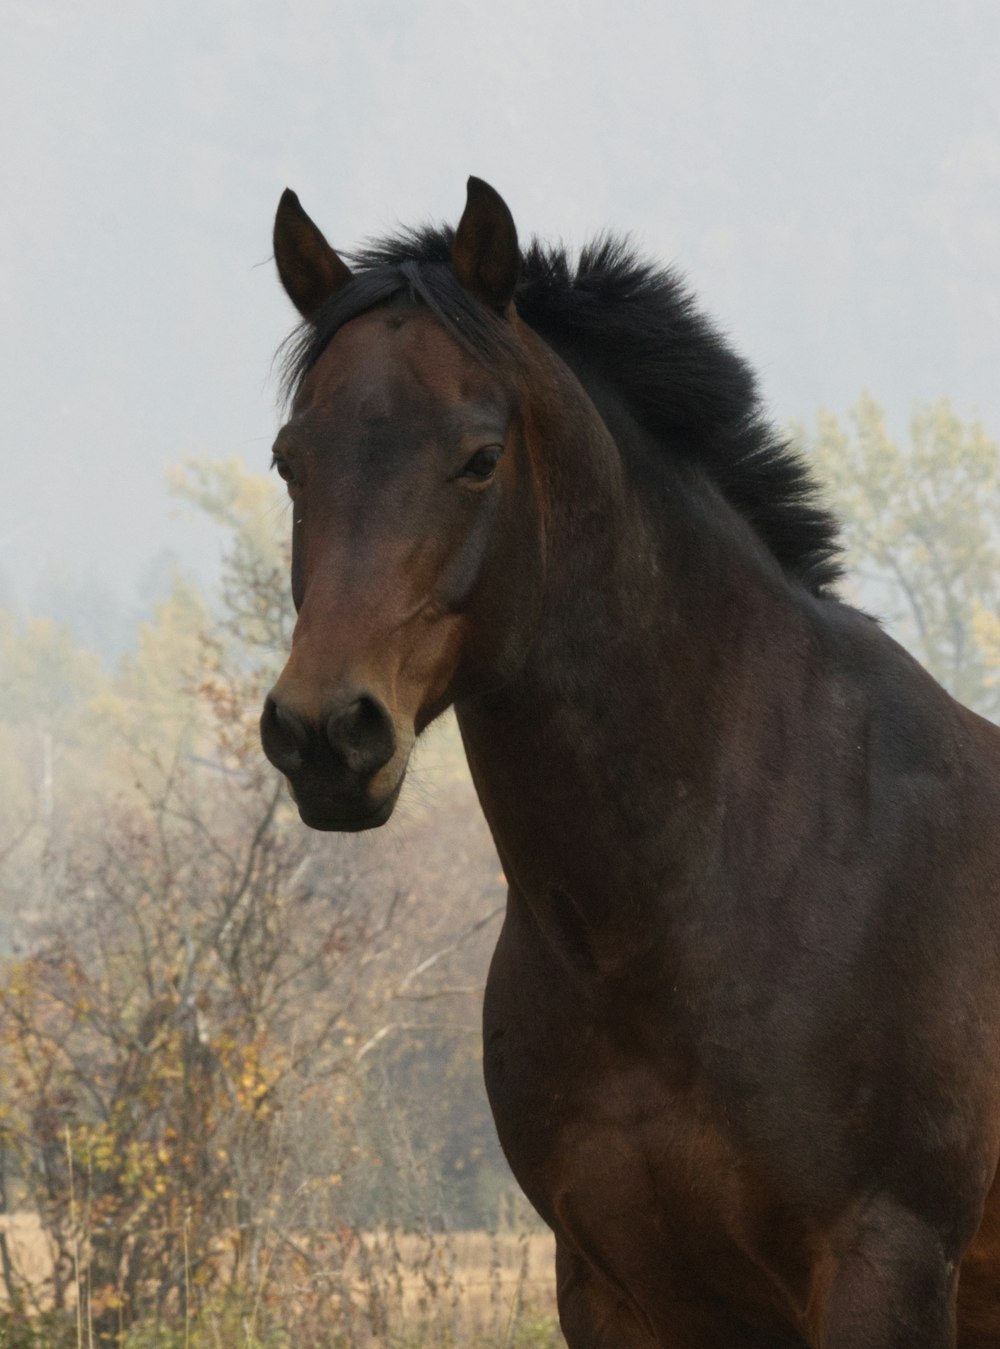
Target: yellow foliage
x: 919, y: 516
x: 986, y: 631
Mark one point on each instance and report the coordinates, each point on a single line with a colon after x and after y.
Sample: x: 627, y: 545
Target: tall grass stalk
x: 76, y: 1241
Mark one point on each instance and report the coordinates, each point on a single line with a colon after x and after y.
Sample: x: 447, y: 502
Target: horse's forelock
x: 484, y: 335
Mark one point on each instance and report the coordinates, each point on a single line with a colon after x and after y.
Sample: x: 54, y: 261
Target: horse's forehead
x: 389, y: 359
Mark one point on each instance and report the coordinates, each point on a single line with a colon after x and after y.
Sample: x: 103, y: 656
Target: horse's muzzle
x: 343, y: 768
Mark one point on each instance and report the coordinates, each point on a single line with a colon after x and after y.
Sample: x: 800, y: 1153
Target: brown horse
x: 742, y: 1026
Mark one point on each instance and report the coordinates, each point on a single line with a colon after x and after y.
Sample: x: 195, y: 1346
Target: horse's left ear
x: 310, y: 270
x: 484, y: 251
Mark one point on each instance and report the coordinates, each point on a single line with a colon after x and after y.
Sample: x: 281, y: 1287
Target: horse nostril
x: 292, y: 725
x: 359, y: 731
x: 283, y: 735
x: 363, y: 735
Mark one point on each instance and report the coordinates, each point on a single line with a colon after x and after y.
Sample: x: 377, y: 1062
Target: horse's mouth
x: 333, y: 815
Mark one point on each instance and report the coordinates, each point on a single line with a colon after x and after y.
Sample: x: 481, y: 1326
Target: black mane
x: 637, y: 327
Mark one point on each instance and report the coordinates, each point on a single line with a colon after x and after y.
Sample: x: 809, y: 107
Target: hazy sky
x: 827, y: 174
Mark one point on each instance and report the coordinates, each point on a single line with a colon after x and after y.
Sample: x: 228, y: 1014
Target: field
x: 371, y: 1290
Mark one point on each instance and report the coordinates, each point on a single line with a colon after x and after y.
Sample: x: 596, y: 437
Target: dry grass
x: 30, y: 1252
x: 379, y: 1289
x: 478, y: 1285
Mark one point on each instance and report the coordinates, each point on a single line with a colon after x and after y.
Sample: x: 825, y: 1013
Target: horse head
x: 411, y: 480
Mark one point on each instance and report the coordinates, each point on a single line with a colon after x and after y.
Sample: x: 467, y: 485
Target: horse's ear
x: 484, y: 251
x: 309, y: 268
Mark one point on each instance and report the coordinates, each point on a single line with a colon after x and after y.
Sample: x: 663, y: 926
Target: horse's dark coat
x: 742, y: 1027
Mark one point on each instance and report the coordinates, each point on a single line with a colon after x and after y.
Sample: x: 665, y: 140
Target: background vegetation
x: 240, y: 1095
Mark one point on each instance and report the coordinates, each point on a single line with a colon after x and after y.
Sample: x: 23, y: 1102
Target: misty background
x: 827, y: 176
x: 828, y: 179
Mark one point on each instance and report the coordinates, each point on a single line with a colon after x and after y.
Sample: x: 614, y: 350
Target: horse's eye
x: 483, y: 464
x: 283, y: 468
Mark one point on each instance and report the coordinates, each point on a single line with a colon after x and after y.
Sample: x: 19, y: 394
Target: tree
x: 201, y: 973
x: 214, y: 997
x: 47, y: 681
x: 921, y: 532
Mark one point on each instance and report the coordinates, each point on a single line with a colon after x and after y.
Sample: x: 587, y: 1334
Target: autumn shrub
x: 216, y: 1018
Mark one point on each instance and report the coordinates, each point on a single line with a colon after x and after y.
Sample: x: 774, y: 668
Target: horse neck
x: 602, y: 766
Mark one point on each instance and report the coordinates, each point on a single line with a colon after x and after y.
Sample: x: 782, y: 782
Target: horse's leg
x: 979, y: 1281
x: 591, y: 1313
x: 892, y: 1285
x: 594, y: 1315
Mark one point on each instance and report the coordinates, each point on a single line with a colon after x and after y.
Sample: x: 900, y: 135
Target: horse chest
x: 632, y: 1166
x: 620, y: 1143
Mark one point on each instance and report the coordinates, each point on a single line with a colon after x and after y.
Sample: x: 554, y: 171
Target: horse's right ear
x: 484, y: 252
x: 310, y: 270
